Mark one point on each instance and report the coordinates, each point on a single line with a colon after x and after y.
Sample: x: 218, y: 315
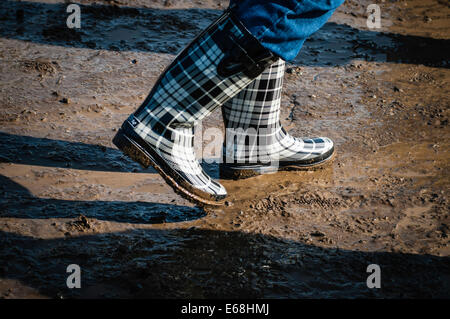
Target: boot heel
x: 240, y: 172
x: 131, y: 149
x: 235, y: 174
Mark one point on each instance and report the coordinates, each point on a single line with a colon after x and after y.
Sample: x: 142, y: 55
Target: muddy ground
x: 68, y: 196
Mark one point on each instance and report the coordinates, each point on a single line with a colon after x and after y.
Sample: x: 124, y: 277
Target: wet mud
x: 68, y: 196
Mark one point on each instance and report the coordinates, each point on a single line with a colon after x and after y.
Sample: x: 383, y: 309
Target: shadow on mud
x: 168, y: 31
x: 57, y: 153
x: 198, y: 263
x: 17, y: 202
x: 39, y: 151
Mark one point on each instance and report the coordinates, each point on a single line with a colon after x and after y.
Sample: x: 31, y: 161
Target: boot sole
x: 243, y: 172
x: 143, y: 156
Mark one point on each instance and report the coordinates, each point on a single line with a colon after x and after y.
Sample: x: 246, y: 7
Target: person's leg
x: 255, y: 140
x: 282, y: 26
x: 217, y: 65
x: 212, y: 69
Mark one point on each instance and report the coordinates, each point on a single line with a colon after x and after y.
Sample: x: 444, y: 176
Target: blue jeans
x: 282, y: 26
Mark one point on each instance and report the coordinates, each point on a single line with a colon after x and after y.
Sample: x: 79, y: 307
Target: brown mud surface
x: 68, y: 196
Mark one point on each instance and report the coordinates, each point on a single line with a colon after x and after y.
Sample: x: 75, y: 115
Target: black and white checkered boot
x: 256, y: 143
x: 213, y: 68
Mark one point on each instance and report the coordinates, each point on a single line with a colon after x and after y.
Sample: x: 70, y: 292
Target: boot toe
x: 324, y: 144
x: 219, y: 190
x: 215, y: 189
x: 204, y: 186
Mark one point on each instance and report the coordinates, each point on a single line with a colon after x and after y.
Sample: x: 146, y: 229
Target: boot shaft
x: 258, y: 105
x: 252, y: 118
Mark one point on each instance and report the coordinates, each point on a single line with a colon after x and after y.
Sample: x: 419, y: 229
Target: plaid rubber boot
x: 256, y: 143
x: 213, y: 68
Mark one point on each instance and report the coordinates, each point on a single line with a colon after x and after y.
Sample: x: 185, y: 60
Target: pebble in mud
x: 82, y: 224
